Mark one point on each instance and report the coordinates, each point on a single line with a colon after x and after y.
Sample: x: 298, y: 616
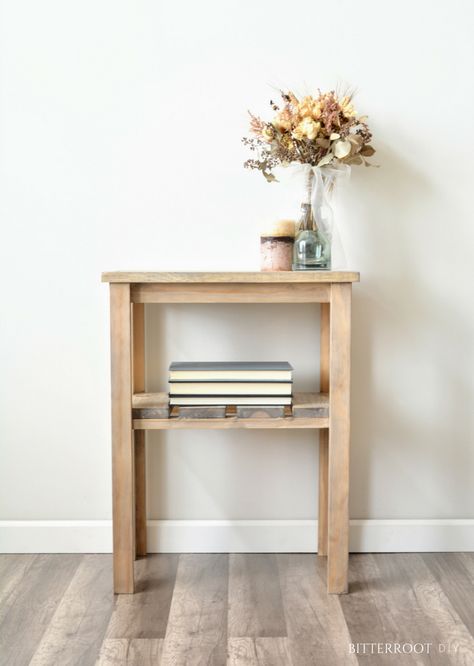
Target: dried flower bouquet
x: 315, y: 131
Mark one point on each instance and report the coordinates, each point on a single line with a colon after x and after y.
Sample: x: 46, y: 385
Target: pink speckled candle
x: 276, y: 246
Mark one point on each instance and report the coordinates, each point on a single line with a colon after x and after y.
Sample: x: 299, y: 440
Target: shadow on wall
x: 411, y: 419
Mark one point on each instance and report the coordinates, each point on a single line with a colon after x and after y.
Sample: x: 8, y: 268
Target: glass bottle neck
x: 307, y: 221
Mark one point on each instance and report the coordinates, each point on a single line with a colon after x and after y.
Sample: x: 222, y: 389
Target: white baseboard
x: 55, y: 536
x: 238, y: 536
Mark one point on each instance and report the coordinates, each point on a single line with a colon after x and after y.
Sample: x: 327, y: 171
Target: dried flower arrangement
x: 317, y: 131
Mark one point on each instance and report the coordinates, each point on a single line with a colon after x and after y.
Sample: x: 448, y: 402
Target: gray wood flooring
x: 240, y: 610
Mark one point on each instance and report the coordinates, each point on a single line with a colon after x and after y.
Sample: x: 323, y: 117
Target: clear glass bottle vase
x: 312, y: 246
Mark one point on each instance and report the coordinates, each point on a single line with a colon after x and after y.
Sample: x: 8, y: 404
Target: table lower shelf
x: 311, y: 409
x: 228, y: 423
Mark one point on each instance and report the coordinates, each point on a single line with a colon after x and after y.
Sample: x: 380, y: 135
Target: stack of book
x: 238, y: 383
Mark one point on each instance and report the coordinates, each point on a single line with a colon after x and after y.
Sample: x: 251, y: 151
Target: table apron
x: 230, y: 293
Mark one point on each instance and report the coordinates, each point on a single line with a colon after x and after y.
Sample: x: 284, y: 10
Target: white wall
x: 120, y: 148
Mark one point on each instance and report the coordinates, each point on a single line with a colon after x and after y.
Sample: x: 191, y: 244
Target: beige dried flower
x: 342, y: 148
x: 307, y: 128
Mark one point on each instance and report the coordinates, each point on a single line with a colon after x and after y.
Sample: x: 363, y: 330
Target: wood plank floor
x: 241, y: 610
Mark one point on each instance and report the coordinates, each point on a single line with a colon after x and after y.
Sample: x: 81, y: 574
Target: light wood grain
x: 273, y: 651
x: 323, y: 492
x: 317, y: 631
x: 144, y: 400
x: 383, y: 602
x: 259, y: 652
x: 339, y: 437
x: 13, y: 569
x: 219, y: 292
x: 255, y: 604
x: 312, y: 409
x: 456, y: 581
x: 150, y: 406
x: 241, y: 652
x: 134, y: 652
x: 76, y: 630
x: 262, y: 287
x: 438, y: 610
x: 398, y: 605
x: 395, y: 598
x: 161, y: 412
x: 138, y: 342
x: 230, y: 410
x: 40, y: 592
x: 260, y: 412
x: 140, y: 494
x: 311, y: 405
x: 323, y: 435
x: 123, y: 480
x: 370, y: 615
x: 138, y: 361
x: 324, y: 343
x: 231, y: 423
x: 468, y: 561
x: 247, y: 276
x: 145, y: 403
x: 201, y: 412
x: 145, y: 613
x: 197, y: 624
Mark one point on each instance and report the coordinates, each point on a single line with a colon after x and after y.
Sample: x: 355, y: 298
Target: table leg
x: 122, y: 438
x: 339, y: 434
x: 138, y: 360
x: 323, y: 435
x: 140, y: 494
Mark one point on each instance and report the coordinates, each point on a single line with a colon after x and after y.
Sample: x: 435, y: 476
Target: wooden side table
x: 128, y: 294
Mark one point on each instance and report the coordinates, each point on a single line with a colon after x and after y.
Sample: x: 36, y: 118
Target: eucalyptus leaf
x: 269, y: 177
x: 325, y: 160
x: 356, y: 139
x: 357, y: 159
x: 367, y: 151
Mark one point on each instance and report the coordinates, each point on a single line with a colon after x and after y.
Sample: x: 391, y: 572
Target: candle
x: 276, y: 246
x: 279, y: 229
